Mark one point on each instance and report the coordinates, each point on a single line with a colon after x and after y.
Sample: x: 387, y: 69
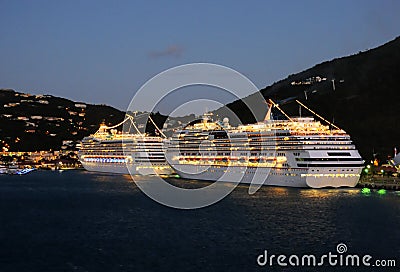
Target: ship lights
x: 330, y: 175
x: 366, y: 191
x: 106, y: 160
x: 381, y: 191
x: 281, y: 159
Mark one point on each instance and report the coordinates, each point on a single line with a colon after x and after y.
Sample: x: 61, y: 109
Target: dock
x: 379, y: 182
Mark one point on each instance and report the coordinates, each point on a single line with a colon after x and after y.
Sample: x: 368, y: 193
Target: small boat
x: 3, y: 169
x: 24, y: 171
x: 13, y: 169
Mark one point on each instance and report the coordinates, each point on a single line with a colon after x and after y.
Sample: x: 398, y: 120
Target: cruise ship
x: 297, y: 152
x: 111, y: 151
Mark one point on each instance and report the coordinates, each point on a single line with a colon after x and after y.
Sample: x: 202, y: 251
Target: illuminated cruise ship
x: 298, y: 152
x: 114, y: 152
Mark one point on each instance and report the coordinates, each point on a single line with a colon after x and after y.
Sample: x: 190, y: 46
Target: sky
x: 103, y: 51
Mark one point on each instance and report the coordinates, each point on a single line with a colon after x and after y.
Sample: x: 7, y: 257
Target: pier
x: 379, y: 182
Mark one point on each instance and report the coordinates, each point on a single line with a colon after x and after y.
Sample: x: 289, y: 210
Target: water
x: 81, y: 221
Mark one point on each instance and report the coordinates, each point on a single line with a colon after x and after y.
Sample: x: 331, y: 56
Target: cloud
x: 171, y: 51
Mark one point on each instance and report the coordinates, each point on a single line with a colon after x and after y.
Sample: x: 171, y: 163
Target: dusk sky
x: 103, y: 51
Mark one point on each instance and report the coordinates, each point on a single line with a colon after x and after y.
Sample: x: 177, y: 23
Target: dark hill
x: 360, y: 93
x: 43, y: 122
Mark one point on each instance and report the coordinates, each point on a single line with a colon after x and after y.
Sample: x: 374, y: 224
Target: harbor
x: 379, y: 182
x: 21, y: 163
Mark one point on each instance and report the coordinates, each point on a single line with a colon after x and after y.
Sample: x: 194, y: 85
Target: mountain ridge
x: 359, y: 94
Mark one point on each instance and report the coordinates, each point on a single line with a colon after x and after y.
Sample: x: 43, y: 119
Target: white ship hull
x: 122, y: 168
x: 302, y: 178
x: 294, y: 153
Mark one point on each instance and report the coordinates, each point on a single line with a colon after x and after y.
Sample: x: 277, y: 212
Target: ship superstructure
x: 298, y: 152
x: 112, y: 151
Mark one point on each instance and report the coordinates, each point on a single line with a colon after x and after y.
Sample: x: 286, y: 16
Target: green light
x: 365, y: 190
x: 381, y: 191
x: 366, y: 170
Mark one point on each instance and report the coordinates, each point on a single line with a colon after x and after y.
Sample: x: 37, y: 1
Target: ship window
x: 339, y: 154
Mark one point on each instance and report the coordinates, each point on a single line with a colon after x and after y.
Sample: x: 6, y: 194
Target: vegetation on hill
x: 43, y: 122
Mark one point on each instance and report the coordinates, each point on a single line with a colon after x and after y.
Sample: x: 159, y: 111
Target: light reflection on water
x: 328, y: 193
x: 280, y: 191
x: 112, y: 225
x: 107, y: 177
x: 242, y: 189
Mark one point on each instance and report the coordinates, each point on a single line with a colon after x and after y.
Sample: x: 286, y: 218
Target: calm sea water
x: 81, y: 221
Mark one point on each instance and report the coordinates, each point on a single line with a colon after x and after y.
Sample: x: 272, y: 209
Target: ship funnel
x: 225, y: 122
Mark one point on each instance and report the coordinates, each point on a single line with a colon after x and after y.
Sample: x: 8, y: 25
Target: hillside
x: 360, y: 93
x: 43, y: 122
